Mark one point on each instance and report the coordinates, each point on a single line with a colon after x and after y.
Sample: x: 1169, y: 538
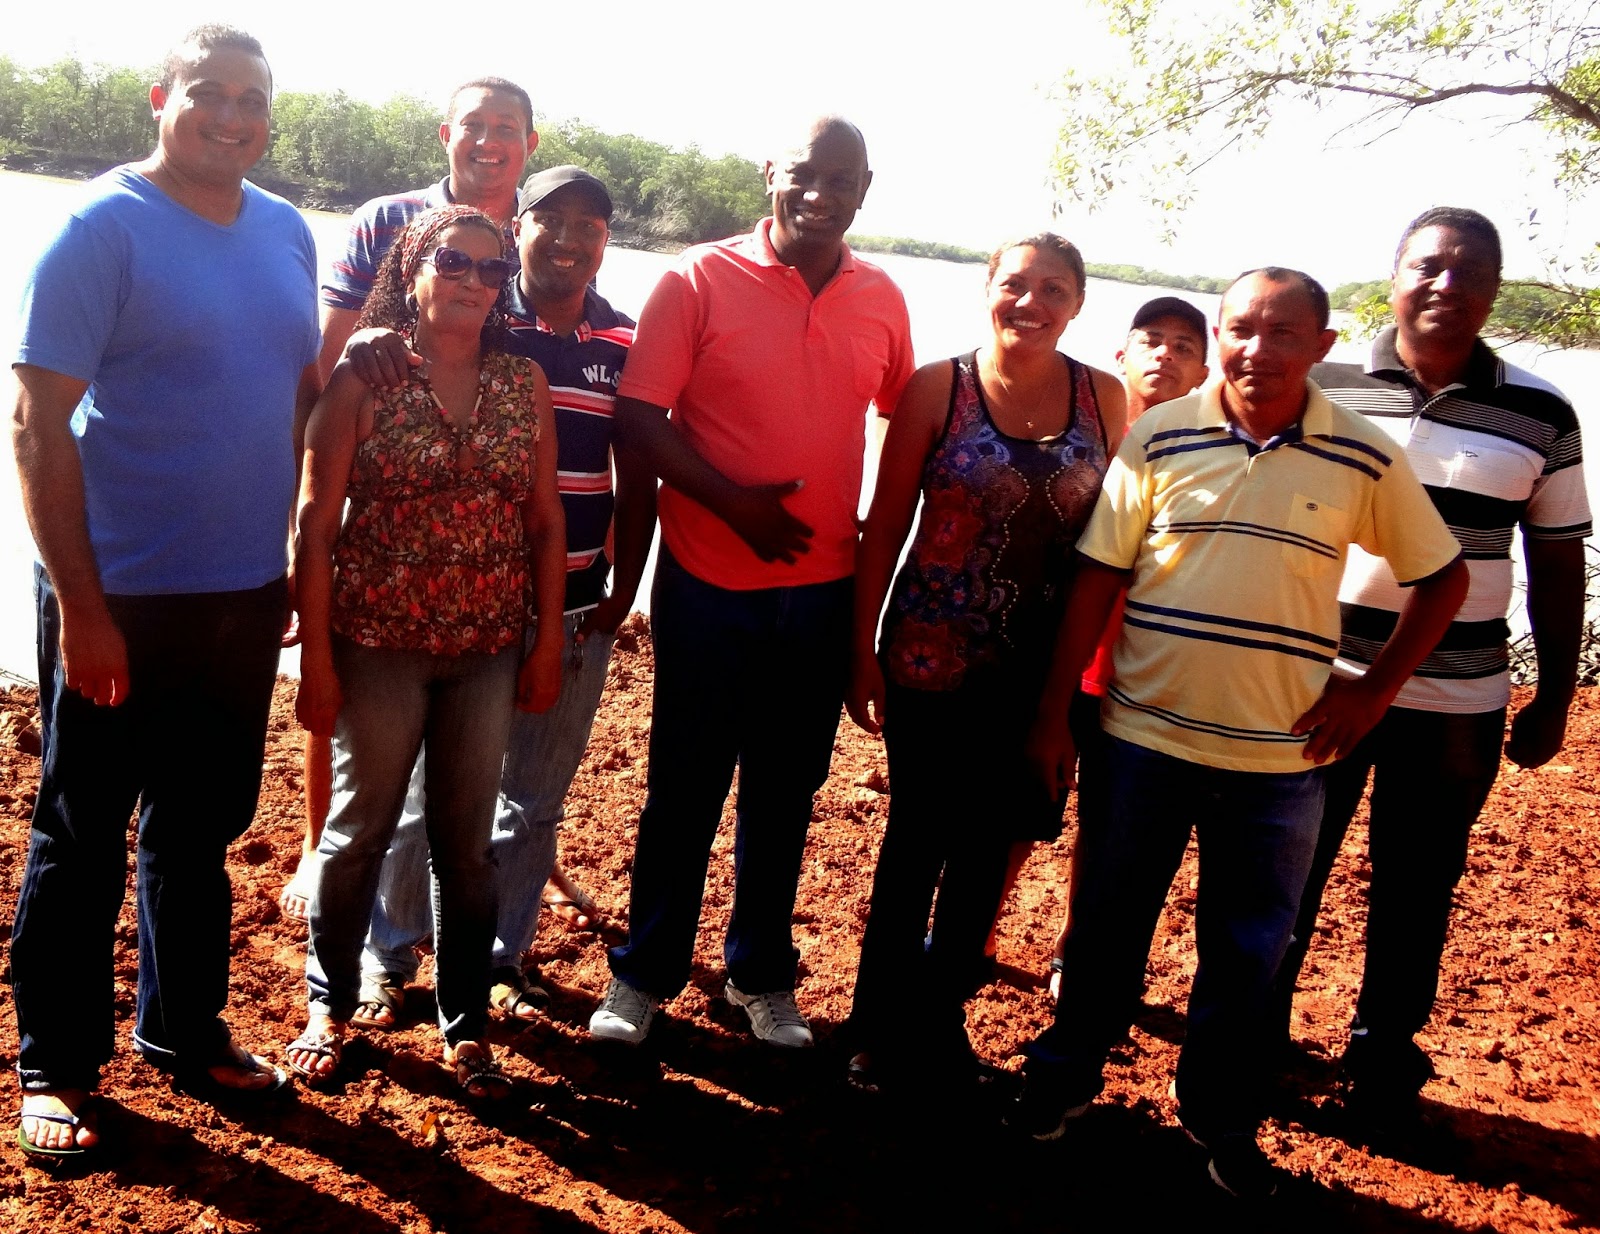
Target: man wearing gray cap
x: 558, y: 320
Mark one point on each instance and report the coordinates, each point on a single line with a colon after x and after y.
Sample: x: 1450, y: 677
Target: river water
x: 947, y: 317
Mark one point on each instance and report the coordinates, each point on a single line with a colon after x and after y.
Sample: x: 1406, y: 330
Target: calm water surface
x: 947, y: 317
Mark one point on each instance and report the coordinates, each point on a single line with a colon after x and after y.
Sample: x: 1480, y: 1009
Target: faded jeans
x: 397, y: 703
x: 542, y: 757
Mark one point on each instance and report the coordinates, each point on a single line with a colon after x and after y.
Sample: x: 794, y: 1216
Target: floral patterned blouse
x: 431, y: 556
x: 981, y: 591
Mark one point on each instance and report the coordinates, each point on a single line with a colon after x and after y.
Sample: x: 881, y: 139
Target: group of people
x: 1213, y: 606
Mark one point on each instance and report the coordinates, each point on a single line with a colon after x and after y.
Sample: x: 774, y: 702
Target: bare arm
x: 754, y: 511
x: 1113, y: 408
x: 305, y: 400
x: 336, y: 323
x: 545, y: 527
x: 331, y: 438
x: 635, y: 525
x: 1050, y: 749
x: 910, y: 438
x: 93, y: 654
x: 1349, y: 707
x: 1555, y: 611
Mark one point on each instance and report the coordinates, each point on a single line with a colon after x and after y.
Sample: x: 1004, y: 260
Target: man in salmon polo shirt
x: 746, y: 392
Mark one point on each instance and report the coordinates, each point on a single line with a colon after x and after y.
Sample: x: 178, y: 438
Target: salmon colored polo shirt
x: 769, y: 383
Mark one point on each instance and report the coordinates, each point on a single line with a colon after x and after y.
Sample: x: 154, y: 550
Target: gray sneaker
x: 624, y: 1014
x: 773, y: 1017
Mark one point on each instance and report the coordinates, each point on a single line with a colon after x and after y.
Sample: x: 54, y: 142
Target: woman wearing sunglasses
x: 412, y: 608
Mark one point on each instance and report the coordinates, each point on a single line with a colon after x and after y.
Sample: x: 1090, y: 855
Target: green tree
x: 1189, y: 89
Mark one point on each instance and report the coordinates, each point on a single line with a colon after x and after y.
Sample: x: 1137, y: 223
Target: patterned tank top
x: 431, y: 556
x: 981, y: 591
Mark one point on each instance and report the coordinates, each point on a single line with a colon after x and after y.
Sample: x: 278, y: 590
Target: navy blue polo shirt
x: 583, y: 369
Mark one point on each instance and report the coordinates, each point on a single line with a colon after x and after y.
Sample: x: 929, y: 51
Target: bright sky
x: 957, y: 121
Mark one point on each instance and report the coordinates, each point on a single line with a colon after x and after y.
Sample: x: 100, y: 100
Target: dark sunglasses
x: 453, y: 264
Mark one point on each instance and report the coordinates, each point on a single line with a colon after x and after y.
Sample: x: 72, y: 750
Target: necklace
x: 1032, y: 418
x: 466, y: 455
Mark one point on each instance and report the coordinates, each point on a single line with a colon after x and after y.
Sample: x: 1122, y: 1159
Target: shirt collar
x: 1484, y: 367
x: 759, y: 247
x: 1316, y: 421
x: 597, y: 313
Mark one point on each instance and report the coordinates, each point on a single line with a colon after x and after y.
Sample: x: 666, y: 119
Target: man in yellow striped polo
x: 1228, y: 514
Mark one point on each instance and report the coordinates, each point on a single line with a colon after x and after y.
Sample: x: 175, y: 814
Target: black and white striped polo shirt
x: 1496, y: 450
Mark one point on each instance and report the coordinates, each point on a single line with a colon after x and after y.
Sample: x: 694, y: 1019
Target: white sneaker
x: 773, y: 1017
x: 625, y: 1014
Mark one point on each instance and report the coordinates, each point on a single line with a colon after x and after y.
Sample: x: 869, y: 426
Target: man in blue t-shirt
x: 166, y: 365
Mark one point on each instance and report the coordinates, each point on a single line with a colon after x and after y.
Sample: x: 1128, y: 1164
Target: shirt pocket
x: 869, y: 362
x: 1316, y: 534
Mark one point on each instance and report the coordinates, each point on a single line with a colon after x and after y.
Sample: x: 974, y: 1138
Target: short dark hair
x: 500, y: 86
x: 1283, y: 274
x: 1050, y: 242
x: 201, y: 42
x: 1469, y: 223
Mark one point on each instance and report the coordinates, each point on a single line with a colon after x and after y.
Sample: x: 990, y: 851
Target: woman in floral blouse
x: 412, y: 608
x: 1006, y: 448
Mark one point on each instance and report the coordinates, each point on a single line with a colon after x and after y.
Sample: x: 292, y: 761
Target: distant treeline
x: 1561, y: 316
x: 1144, y: 277
x: 331, y: 150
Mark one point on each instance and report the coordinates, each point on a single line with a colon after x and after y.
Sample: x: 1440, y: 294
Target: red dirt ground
x: 706, y: 1130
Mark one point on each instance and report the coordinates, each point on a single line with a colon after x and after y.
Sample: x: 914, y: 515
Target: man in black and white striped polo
x: 1496, y: 448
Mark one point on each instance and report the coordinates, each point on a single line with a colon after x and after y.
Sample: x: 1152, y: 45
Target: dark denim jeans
x: 1257, y: 832
x: 1431, y: 774
x: 186, y: 747
x: 753, y: 679
x: 960, y: 795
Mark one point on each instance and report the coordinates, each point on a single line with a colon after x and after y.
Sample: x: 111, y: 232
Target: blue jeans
x: 186, y: 747
x: 753, y: 679
x: 542, y: 757
x: 1431, y: 774
x: 1257, y: 833
x: 395, y: 704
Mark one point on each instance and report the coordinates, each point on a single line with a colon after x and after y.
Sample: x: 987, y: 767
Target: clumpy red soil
x: 707, y: 1130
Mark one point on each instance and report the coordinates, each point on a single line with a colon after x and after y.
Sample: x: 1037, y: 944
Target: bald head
x: 808, y: 133
x: 816, y: 186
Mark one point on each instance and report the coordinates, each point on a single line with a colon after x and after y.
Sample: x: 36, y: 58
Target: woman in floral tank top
x: 412, y: 610
x: 1006, y: 447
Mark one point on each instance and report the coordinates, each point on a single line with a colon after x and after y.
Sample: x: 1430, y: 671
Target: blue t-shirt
x: 193, y: 337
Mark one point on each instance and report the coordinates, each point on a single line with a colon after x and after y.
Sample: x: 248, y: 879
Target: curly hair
x: 390, y: 303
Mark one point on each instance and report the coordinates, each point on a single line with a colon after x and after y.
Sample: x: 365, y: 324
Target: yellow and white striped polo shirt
x: 1236, y: 552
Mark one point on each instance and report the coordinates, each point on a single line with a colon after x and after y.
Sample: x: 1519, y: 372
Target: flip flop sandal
x: 381, y: 992
x: 198, y: 1082
x: 482, y: 1072
x: 569, y: 908
x: 80, y: 1119
x: 321, y: 1045
x: 517, y: 996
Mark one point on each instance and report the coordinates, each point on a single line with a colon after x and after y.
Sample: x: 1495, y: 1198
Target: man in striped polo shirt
x: 1228, y: 515
x: 1497, y: 448
x: 487, y: 136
